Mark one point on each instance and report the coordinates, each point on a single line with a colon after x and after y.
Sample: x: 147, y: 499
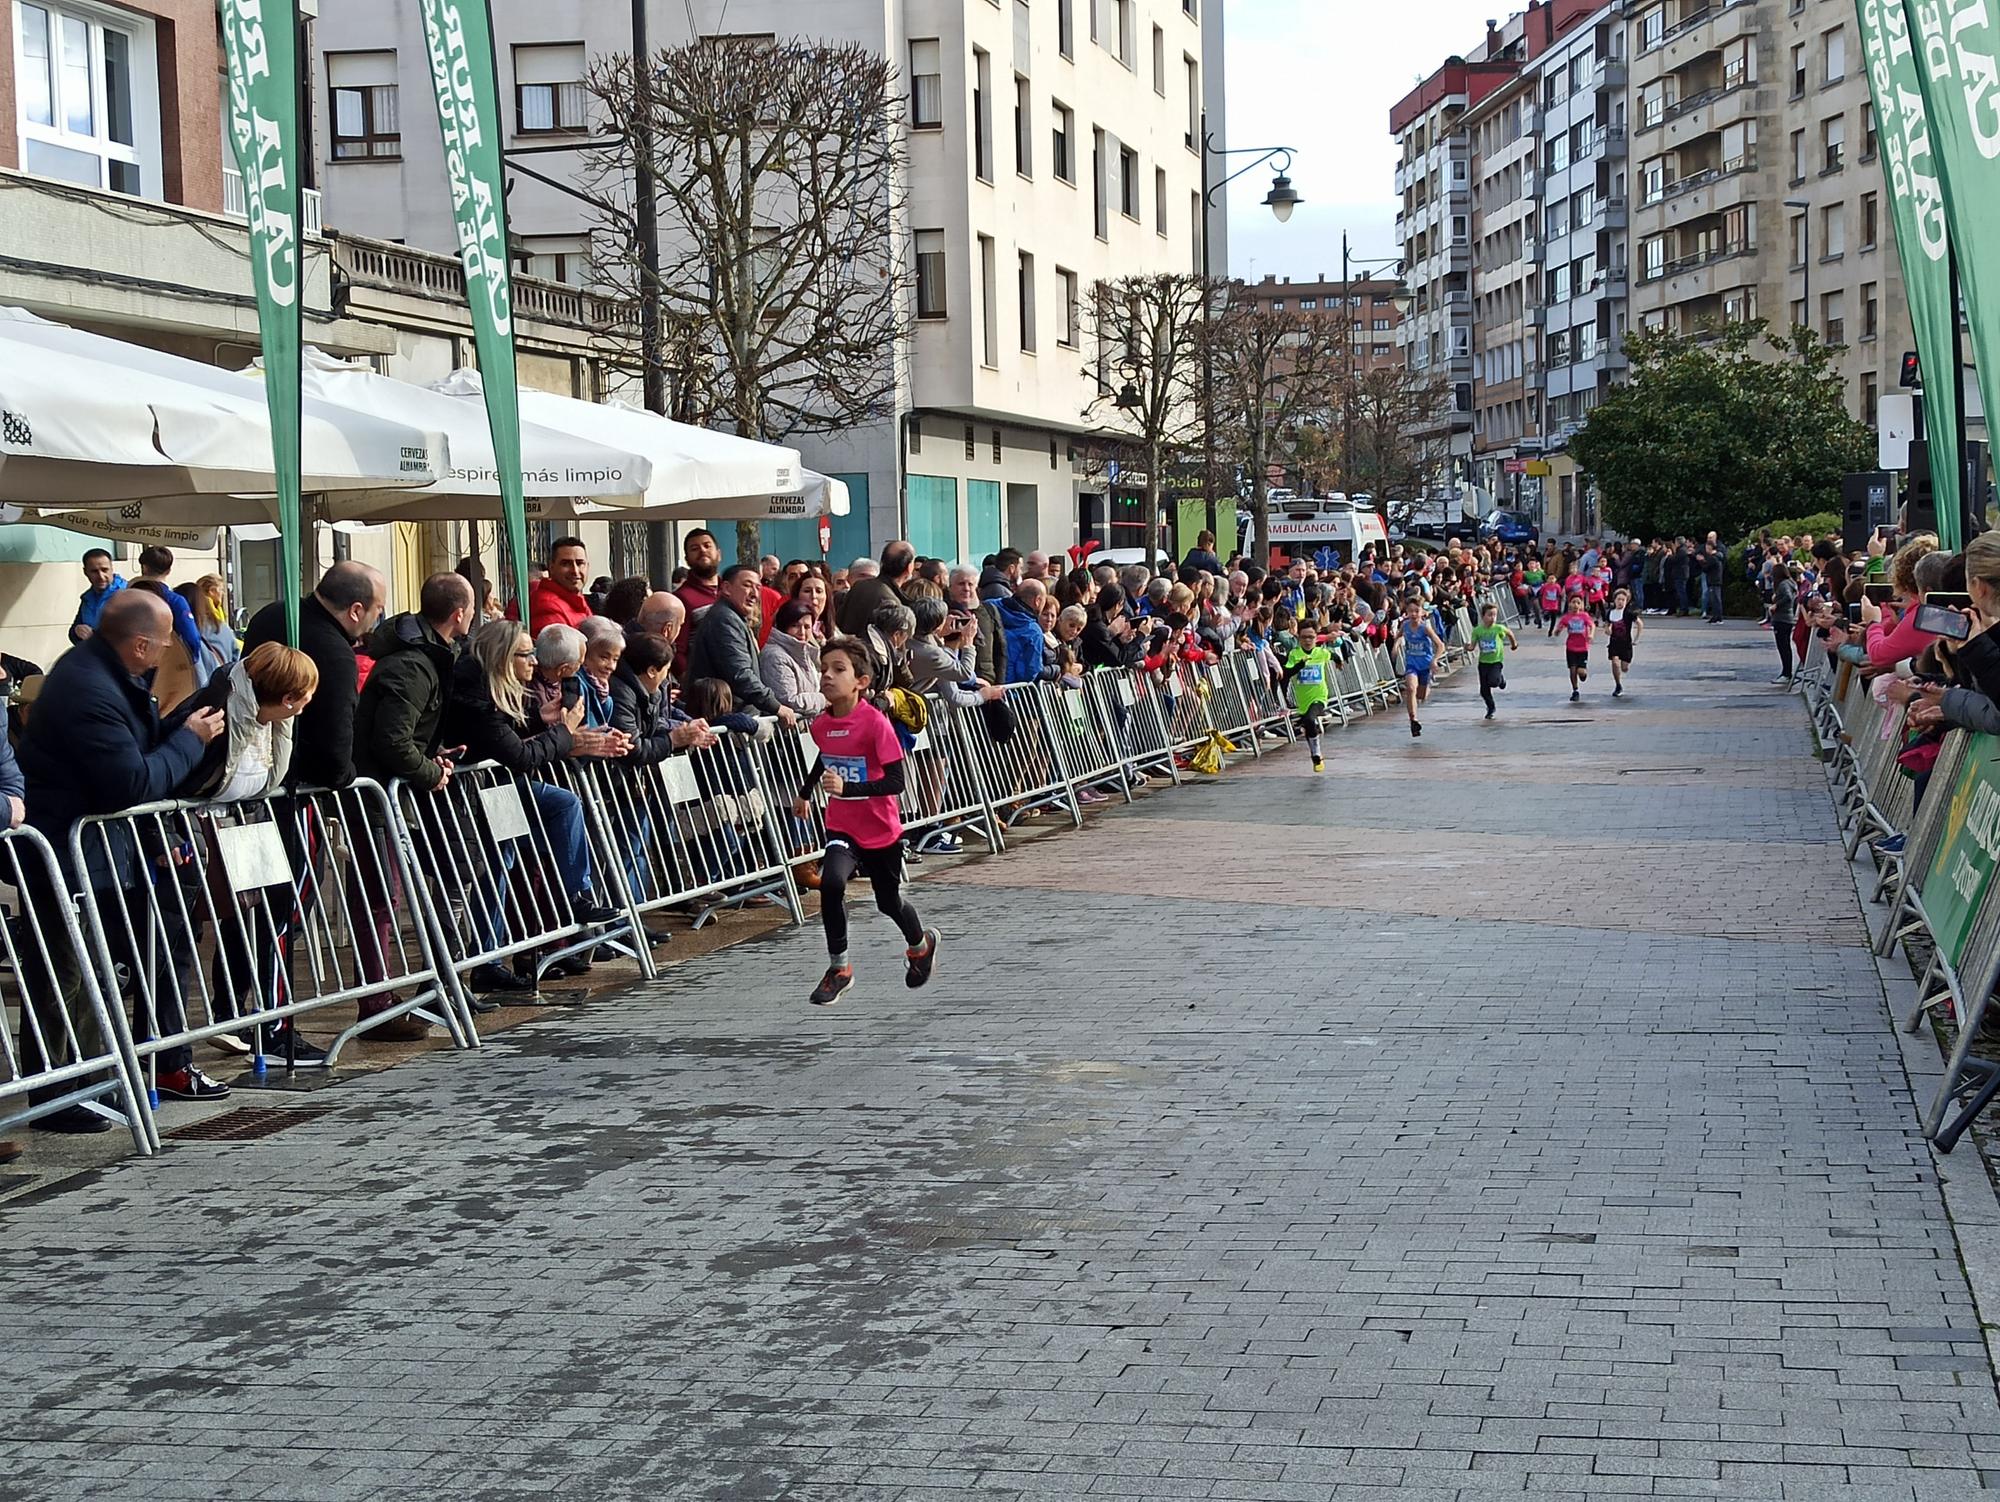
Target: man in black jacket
x: 855, y: 609
x: 396, y: 725
x: 342, y: 610
x: 397, y: 718
x: 725, y: 647
x: 96, y: 746
x: 339, y: 614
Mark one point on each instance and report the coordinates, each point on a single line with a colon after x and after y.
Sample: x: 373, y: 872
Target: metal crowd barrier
x: 70, y: 1051
x: 1022, y: 773
x: 1086, y: 744
x: 220, y: 919
x: 491, y: 885
x: 706, y: 829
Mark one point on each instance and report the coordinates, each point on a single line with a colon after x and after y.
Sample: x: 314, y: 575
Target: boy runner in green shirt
x: 1308, y: 666
x: 1495, y: 641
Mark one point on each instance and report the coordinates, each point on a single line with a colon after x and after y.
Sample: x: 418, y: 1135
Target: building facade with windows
x: 1434, y: 231
x: 1581, y: 251
x: 1051, y: 144
x: 1759, y: 183
x: 1373, y: 304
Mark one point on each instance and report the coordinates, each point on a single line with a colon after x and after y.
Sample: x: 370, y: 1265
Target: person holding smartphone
x: 1895, y: 636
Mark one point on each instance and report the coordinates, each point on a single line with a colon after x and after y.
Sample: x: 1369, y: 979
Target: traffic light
x: 1913, y: 375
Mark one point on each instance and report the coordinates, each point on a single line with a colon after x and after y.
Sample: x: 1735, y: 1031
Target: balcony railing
x: 425, y: 274
x: 237, y: 207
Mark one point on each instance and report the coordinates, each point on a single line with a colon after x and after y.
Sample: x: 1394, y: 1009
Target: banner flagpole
x: 260, y: 38
x: 458, y: 35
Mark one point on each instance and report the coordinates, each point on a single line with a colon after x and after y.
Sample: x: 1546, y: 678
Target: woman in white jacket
x: 789, y: 663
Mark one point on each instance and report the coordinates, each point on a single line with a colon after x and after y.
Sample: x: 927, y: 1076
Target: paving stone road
x: 1474, y: 1120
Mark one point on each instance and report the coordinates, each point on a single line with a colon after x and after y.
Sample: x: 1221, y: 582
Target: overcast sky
x: 1320, y: 75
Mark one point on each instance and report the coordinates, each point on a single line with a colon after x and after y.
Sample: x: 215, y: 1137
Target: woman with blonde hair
x: 208, y: 602
x: 1913, y: 573
x: 259, y: 696
x: 489, y: 713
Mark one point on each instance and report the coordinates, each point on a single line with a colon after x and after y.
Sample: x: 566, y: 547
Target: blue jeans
x: 569, y: 847
x: 1639, y: 593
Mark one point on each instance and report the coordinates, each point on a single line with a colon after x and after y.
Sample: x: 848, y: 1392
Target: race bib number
x: 1312, y: 672
x: 850, y: 768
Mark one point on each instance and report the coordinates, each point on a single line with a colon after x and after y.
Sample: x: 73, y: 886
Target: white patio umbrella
x: 690, y: 464
x: 557, y: 464
x: 87, y: 421
x: 821, y: 495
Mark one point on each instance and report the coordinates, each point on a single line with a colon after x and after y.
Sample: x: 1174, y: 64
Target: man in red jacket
x: 558, y: 599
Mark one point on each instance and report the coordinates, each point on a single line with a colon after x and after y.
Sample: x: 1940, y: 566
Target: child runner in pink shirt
x: 1578, y: 625
x: 860, y: 769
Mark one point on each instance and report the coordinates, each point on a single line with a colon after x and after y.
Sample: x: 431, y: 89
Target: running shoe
x: 189, y: 1084
x: 1489, y: 714
x: 1618, y: 691
x: 921, y: 959
x: 1574, y: 696
x: 1319, y: 764
x: 836, y: 983
x: 1416, y: 729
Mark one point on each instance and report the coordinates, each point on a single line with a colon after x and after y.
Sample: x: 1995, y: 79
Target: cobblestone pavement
x: 1473, y: 1120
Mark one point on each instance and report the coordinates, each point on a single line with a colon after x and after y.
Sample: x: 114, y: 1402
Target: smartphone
x: 1942, y: 622
x: 1949, y: 601
x: 1886, y: 531
x: 1854, y: 614
x: 1880, y: 594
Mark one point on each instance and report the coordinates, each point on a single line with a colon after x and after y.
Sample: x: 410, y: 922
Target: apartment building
x: 1759, y: 187
x: 1513, y: 224
x: 1507, y: 372
x: 1434, y: 230
x: 1050, y: 146
x: 1374, y: 304
x: 1581, y: 250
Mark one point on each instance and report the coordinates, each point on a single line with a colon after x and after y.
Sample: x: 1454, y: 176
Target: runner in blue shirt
x: 1421, y: 645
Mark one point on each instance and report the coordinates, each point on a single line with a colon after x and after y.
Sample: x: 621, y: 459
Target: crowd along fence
x: 190, y: 922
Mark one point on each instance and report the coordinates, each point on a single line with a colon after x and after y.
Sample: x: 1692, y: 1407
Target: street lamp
x: 1281, y: 200
x: 1805, y: 254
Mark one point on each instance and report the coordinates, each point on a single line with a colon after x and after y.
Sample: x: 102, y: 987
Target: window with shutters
x: 549, y: 96
x: 362, y: 106
x: 930, y: 273
x: 926, y: 84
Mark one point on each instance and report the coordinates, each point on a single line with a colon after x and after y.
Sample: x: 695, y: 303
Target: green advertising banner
x: 459, y: 37
x: 1958, y: 68
x: 1923, y: 241
x: 1968, y: 848
x: 260, y: 37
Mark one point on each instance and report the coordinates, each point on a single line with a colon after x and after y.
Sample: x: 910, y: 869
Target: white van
x: 1326, y: 530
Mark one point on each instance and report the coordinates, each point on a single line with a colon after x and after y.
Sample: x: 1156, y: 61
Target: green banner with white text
x: 260, y: 38
x: 1958, y: 55
x: 1923, y: 240
x: 1968, y: 848
x: 459, y: 37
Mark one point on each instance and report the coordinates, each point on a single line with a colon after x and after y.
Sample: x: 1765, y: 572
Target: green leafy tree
x: 1721, y: 430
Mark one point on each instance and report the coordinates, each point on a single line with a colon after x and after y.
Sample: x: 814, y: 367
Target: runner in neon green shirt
x: 1495, y: 642
x: 1309, y: 668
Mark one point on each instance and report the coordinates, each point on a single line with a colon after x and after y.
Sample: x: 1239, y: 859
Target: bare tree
x: 1398, y: 447
x: 1278, y: 376
x: 780, y: 175
x: 1145, y: 335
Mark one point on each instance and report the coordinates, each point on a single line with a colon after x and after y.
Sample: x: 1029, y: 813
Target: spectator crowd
x: 159, y: 699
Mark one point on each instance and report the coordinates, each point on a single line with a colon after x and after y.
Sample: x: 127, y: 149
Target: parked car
x: 1509, y: 526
